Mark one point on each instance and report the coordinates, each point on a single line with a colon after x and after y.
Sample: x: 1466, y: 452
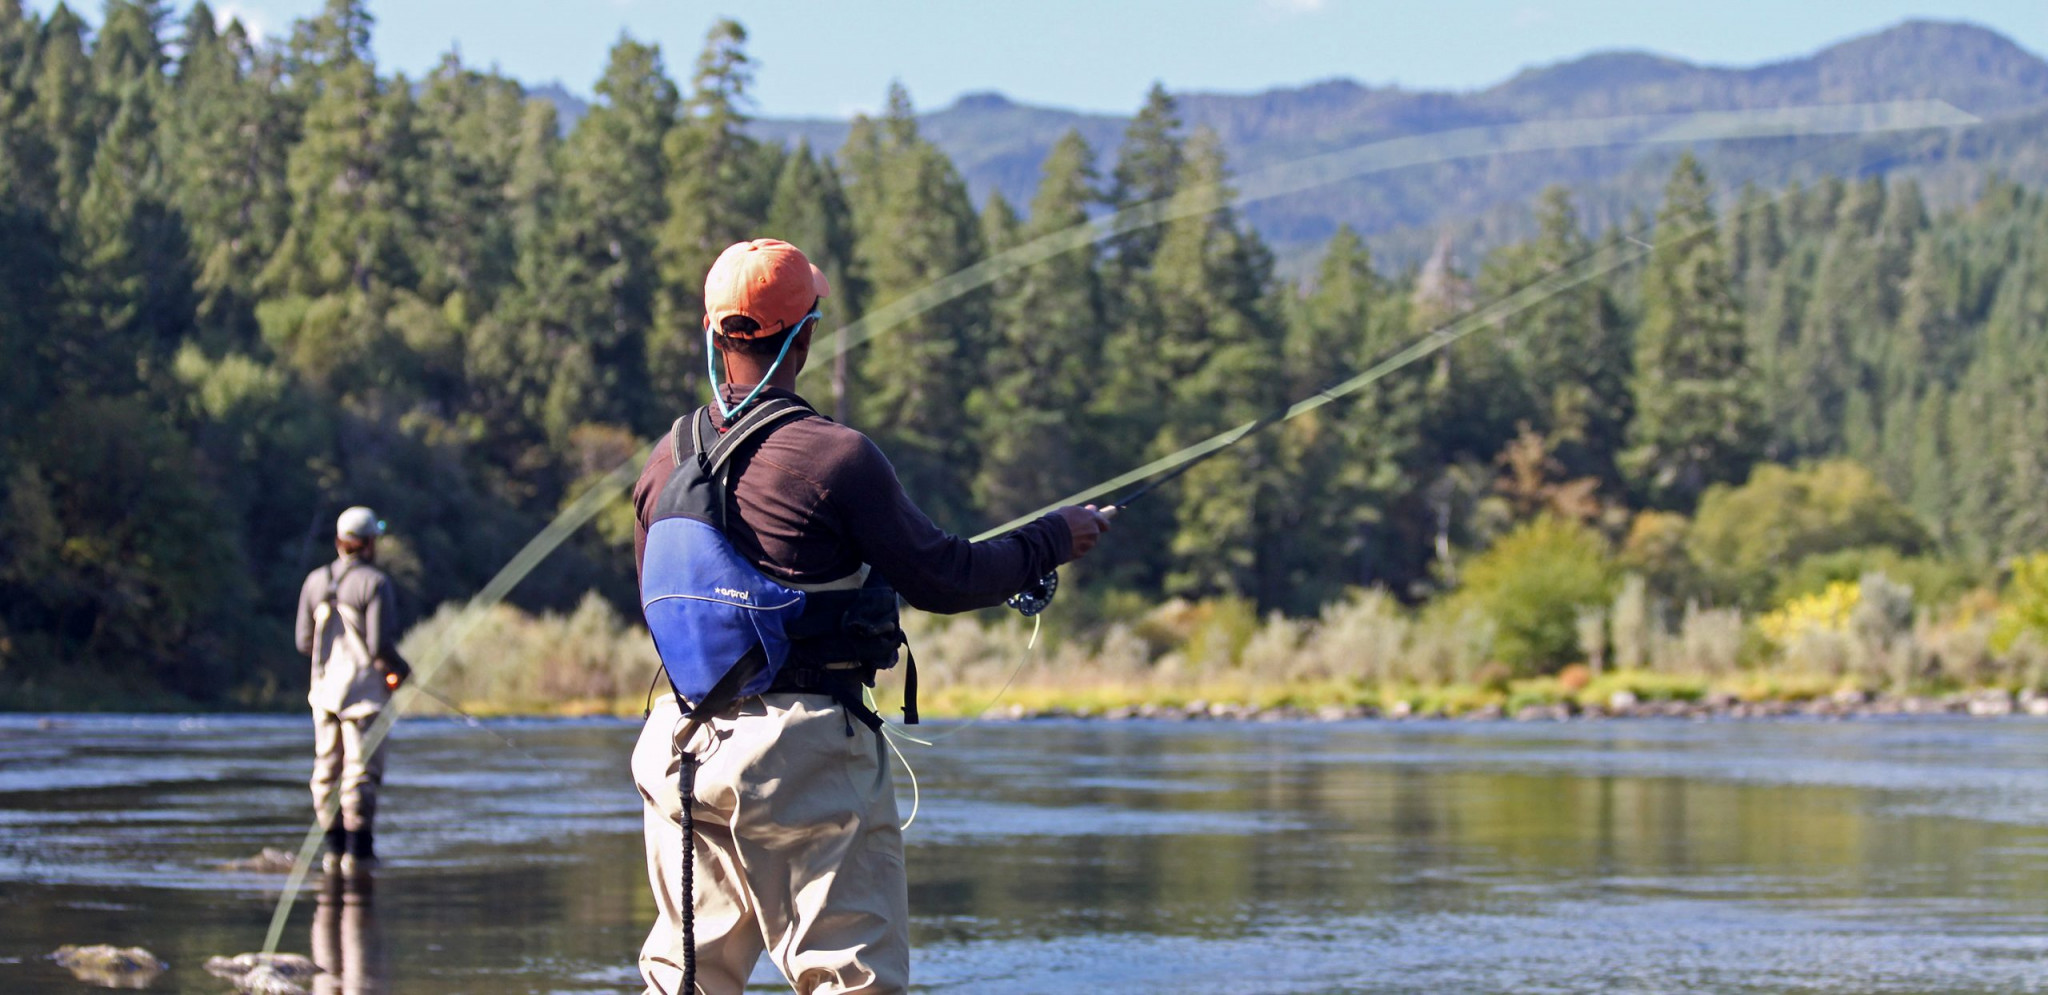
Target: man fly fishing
x: 772, y: 544
x: 348, y: 625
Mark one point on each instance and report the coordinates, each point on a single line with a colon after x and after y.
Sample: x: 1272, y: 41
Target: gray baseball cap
x: 358, y: 523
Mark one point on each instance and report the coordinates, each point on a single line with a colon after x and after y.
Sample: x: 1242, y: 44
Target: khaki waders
x: 347, y: 694
x: 341, y: 765
x: 798, y: 853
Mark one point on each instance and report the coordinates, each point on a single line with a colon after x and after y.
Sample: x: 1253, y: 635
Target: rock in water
x: 282, y: 965
x: 110, y: 966
x: 270, y: 860
x: 268, y: 980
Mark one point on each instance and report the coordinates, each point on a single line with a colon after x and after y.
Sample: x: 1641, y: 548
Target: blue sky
x: 834, y: 58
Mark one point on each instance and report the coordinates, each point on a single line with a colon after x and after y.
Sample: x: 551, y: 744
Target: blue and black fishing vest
x: 725, y: 630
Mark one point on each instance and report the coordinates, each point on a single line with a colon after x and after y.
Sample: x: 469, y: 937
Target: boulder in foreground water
x: 265, y: 974
x: 269, y: 860
x: 288, y: 965
x: 110, y: 966
x: 268, y: 981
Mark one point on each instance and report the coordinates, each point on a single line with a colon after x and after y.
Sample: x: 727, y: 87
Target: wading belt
x: 839, y: 643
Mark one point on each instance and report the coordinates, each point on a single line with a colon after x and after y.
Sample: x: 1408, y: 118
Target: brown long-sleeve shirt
x: 817, y: 499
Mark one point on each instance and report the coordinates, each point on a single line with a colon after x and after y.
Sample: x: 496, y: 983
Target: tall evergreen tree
x: 337, y: 39
x: 1343, y: 464
x: 227, y: 140
x: 1697, y: 420
x: 1574, y: 350
x: 1148, y: 170
x: 719, y: 188
x: 1216, y: 362
x: 27, y: 159
x: 913, y: 385
x: 1046, y: 336
x: 613, y: 177
x: 349, y: 255
x: 532, y: 368
x: 1818, y: 372
x: 69, y: 105
x: 130, y: 45
x: 1472, y: 397
x: 808, y: 209
x: 1756, y: 240
x: 470, y: 132
x: 130, y: 287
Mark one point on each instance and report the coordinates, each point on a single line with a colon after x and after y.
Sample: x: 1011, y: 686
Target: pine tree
x: 1342, y: 464
x: 1473, y: 400
x: 1697, y: 420
x: 808, y: 210
x: 348, y: 258
x: 1893, y: 248
x: 227, y: 140
x: 336, y: 40
x: 130, y: 287
x: 70, y: 107
x: 27, y: 160
x: 130, y: 45
x: 1819, y: 370
x: 613, y: 176
x: 1925, y: 349
x: 1756, y: 245
x: 531, y: 367
x: 1046, y: 332
x: 719, y: 187
x: 1218, y: 353
x: 1148, y: 170
x: 470, y: 131
x: 1574, y: 354
x: 912, y: 387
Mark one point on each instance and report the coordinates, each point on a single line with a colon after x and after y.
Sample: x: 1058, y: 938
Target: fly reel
x: 1035, y: 598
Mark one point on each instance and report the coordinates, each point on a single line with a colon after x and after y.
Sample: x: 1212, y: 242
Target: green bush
x: 1532, y: 584
x: 1744, y: 537
x: 2023, y: 608
x: 1934, y: 581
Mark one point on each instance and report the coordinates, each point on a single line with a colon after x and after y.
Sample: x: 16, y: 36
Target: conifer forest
x: 244, y: 285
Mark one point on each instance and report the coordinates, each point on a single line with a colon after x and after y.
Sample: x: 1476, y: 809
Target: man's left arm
x: 933, y: 570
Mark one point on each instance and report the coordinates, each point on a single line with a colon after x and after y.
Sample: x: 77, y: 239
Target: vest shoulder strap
x: 334, y: 583
x: 716, y: 451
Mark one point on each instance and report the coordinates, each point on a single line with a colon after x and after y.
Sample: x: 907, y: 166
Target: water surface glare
x: 1808, y: 857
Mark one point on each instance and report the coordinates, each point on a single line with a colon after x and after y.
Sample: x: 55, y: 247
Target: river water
x: 1865, y: 856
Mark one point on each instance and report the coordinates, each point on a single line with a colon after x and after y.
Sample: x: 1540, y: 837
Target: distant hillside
x: 998, y: 144
x: 569, y: 107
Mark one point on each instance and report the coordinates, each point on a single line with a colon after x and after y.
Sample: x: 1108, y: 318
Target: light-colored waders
x: 341, y: 765
x: 347, y: 694
x: 797, y: 849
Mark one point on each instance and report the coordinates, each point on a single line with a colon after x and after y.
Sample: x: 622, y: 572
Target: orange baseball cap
x: 768, y: 280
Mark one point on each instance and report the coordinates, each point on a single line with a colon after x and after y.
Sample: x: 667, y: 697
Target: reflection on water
x: 347, y: 944
x: 1896, y: 856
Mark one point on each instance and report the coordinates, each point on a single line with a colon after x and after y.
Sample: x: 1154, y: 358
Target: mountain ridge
x: 998, y: 144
